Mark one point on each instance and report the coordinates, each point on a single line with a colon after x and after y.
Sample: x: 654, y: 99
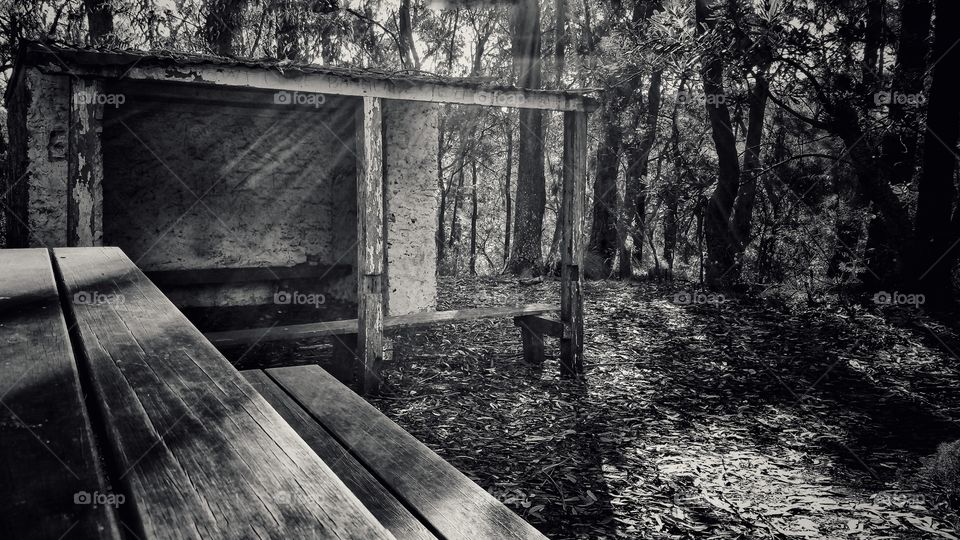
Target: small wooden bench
x: 530, y: 313
x: 532, y: 319
x: 171, y: 441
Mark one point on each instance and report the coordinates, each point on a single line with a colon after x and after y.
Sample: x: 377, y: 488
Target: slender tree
x: 718, y: 234
x: 99, y: 20
x: 222, y: 25
x: 527, y: 251
x: 937, y: 231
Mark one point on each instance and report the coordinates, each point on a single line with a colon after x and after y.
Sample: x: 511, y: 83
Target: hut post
x: 85, y: 164
x: 571, y: 299
x: 370, y: 244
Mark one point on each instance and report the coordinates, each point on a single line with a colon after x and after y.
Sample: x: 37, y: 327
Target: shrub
x: 942, y: 471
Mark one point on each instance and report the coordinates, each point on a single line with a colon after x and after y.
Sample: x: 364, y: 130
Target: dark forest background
x: 803, y: 147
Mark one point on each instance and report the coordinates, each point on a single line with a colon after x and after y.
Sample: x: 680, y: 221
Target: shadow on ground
x: 743, y: 419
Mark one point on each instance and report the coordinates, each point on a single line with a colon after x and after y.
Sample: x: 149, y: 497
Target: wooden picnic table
x: 118, y: 419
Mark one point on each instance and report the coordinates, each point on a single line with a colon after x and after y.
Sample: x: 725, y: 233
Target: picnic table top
x: 119, y: 419
x: 173, y: 442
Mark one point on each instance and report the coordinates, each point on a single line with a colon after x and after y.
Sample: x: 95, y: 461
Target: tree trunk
x: 473, y: 218
x: 721, y: 246
x: 454, y: 238
x: 634, y: 201
x: 872, y: 45
x: 408, y: 50
x: 901, y: 145
x: 222, y: 23
x: 672, y: 196
x: 603, y: 230
x: 441, y: 214
x: 527, y: 251
x: 508, y: 192
x: 560, y: 42
x: 288, y: 32
x: 935, y: 237
x: 872, y: 179
x: 670, y: 227
x: 99, y: 20
x: 743, y: 209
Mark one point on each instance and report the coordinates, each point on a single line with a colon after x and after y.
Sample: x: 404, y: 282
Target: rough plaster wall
x: 271, y: 182
x: 47, y: 106
x: 410, y: 163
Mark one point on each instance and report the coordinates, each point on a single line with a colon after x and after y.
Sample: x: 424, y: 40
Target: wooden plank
x: 49, y: 465
x: 85, y: 164
x: 370, y: 239
x: 210, y: 276
x: 118, y: 66
x: 231, y: 338
x: 453, y: 505
x: 252, y: 99
x: 201, y: 452
x: 381, y: 503
x: 349, y: 326
x: 471, y: 314
x: 540, y: 325
x: 572, y: 201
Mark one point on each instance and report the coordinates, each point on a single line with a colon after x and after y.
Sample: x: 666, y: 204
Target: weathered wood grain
x: 202, y: 454
x: 370, y: 240
x: 381, y: 503
x: 85, y: 164
x: 453, y: 505
x: 349, y: 326
x: 540, y: 325
x: 49, y: 465
x: 572, y: 201
x: 471, y: 314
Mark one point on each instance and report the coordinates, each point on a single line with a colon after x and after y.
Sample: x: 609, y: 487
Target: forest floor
x: 740, y: 419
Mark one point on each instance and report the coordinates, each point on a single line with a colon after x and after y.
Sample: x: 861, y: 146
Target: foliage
x: 943, y: 471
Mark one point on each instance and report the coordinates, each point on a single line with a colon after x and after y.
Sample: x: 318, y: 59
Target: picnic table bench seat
x: 120, y: 420
x: 398, y: 477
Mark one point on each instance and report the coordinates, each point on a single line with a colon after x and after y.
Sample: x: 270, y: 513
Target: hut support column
x: 370, y: 244
x: 85, y: 164
x: 571, y: 300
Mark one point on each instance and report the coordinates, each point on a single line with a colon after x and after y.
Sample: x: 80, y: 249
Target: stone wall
x: 36, y: 187
x: 410, y: 167
x: 212, y: 185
